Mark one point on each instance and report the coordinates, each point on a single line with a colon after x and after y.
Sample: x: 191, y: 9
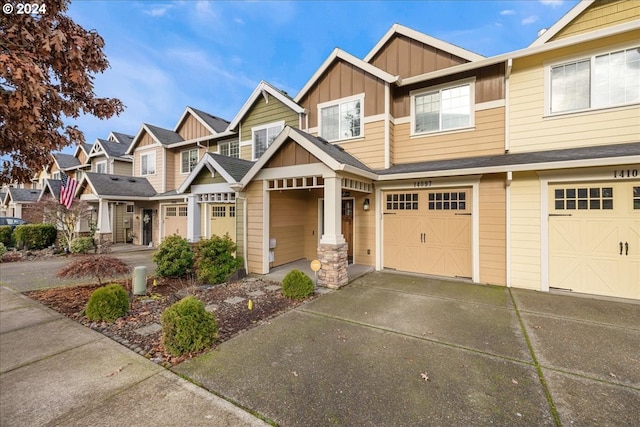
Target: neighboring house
x: 17, y: 203
x: 109, y: 157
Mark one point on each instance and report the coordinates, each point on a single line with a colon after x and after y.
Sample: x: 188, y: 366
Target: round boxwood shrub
x: 81, y: 245
x: 108, y: 303
x: 188, y: 327
x: 174, y: 257
x: 297, y: 285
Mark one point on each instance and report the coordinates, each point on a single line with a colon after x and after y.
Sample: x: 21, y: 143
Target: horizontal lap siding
x: 154, y: 180
x: 365, y: 231
x: 240, y: 230
x: 288, y: 215
x: 264, y: 113
x: 311, y: 232
x: 122, y: 168
x: 486, y: 139
x: 601, y: 15
x: 493, y: 229
x: 255, y: 228
x: 369, y: 150
x: 525, y: 231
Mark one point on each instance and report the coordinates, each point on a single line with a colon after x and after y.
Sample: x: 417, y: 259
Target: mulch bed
x: 145, y: 311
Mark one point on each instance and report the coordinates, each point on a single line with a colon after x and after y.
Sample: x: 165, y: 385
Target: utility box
x: 140, y: 280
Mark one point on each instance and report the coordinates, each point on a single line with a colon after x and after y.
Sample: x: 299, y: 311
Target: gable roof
x: 117, y: 186
x: 232, y: 169
x: 22, y: 195
x: 53, y: 186
x: 110, y: 149
x: 332, y: 155
x: 65, y: 161
x: 265, y: 88
x: 213, y: 123
x: 563, y: 22
x: 339, y: 54
x: 160, y: 135
x: 423, y: 38
x: 121, y: 138
x: 84, y: 147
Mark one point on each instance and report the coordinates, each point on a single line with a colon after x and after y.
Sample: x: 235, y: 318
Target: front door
x: 147, y: 226
x: 347, y: 226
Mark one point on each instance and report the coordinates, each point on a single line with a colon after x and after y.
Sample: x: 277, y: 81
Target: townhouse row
x: 520, y: 169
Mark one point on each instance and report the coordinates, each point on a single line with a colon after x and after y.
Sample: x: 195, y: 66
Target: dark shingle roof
x: 66, y: 161
x: 165, y: 136
x: 235, y: 167
x: 123, y: 138
x: 54, y: 185
x: 113, y: 149
x: 120, y: 185
x: 553, y: 156
x: 87, y: 147
x: 24, y: 195
x: 218, y: 124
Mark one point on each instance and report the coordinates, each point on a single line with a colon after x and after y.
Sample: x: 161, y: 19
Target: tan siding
x: 369, y: 150
x: 246, y: 152
x: 311, y: 232
x: 170, y: 170
x: 263, y: 112
x: 82, y: 157
x: 525, y: 231
x: 255, y: 231
x: 146, y: 140
x: 493, y: 229
x: 122, y: 168
x: 156, y: 179
x: 288, y: 220
x: 601, y: 14
x: 365, y: 231
x: 486, y: 139
x: 192, y: 128
x: 240, y: 227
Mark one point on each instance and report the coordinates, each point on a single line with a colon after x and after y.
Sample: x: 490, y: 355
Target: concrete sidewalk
x: 392, y: 350
x: 54, y: 371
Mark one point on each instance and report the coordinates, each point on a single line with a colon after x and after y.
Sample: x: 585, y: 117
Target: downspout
x: 508, y: 227
x: 164, y: 170
x: 506, y: 104
x: 387, y: 142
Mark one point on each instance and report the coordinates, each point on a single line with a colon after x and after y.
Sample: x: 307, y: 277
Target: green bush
x: 174, y: 257
x: 3, y: 250
x: 35, y: 236
x: 215, y: 260
x: 6, y: 236
x: 108, y: 303
x: 188, y: 327
x: 297, y: 285
x: 81, y: 245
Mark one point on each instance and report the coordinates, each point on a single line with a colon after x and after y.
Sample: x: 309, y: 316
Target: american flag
x: 67, y: 190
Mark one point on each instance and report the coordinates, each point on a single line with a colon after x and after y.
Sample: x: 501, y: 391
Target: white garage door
x: 594, y: 238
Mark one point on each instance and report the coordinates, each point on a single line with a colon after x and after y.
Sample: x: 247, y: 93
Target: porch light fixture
x: 366, y: 205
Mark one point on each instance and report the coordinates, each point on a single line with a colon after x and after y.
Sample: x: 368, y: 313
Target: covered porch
x: 277, y: 274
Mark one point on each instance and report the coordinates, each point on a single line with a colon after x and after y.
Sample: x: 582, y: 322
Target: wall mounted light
x: 366, y: 205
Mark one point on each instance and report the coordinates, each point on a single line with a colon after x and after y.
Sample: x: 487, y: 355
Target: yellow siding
x: 493, y: 229
x: 365, y: 231
x: 311, y: 224
x: 240, y: 227
x: 369, y: 150
x: 245, y: 152
x: 601, y: 14
x: 288, y: 220
x: 525, y: 231
x: 254, y: 227
x: 486, y: 139
x: 530, y: 130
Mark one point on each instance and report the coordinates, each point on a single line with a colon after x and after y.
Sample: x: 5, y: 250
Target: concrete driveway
x: 392, y: 350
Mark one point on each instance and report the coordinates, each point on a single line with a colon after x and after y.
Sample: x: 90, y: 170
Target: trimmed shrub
x: 108, y: 303
x: 35, y: 236
x: 297, y: 285
x: 81, y: 245
x: 6, y: 236
x: 188, y: 327
x: 3, y: 250
x: 174, y: 257
x: 215, y: 260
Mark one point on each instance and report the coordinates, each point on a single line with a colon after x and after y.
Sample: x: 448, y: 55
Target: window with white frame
x: 55, y: 175
x: 79, y: 174
x: 605, y: 80
x: 231, y: 149
x: 263, y: 136
x: 341, y: 119
x: 101, y: 167
x: 148, y: 164
x: 443, y: 108
x: 189, y: 160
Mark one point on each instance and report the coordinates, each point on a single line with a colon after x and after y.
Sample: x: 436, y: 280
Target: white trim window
x: 341, y: 119
x: 101, y: 167
x: 443, y: 108
x: 148, y: 164
x: 56, y: 176
x: 188, y: 160
x: 231, y: 149
x: 607, y: 80
x: 263, y: 136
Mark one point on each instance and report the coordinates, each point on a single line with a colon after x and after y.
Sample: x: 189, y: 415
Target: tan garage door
x: 175, y: 220
x: 594, y: 238
x: 223, y: 220
x: 428, y: 231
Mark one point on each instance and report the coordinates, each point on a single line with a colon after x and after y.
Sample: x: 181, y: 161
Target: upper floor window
x: 231, y: 149
x: 79, y: 174
x: 606, y: 80
x: 341, y: 119
x: 263, y: 136
x: 189, y: 160
x: 101, y: 167
x: 148, y: 164
x: 55, y: 175
x: 443, y: 108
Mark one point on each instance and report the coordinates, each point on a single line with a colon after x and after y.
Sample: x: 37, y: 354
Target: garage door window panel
x: 592, y: 198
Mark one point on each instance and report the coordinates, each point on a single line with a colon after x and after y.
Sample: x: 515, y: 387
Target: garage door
x: 223, y: 220
x: 175, y: 220
x: 594, y: 238
x: 428, y: 231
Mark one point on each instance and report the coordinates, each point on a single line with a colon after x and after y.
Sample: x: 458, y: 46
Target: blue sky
x: 166, y: 55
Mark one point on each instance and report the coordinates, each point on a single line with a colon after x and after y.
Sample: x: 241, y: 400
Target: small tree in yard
x: 65, y: 219
x: 97, y: 267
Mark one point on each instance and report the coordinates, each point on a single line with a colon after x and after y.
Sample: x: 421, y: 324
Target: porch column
x: 332, y: 251
x: 104, y: 222
x: 194, y: 231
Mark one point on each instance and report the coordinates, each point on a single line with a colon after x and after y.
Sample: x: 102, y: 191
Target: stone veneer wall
x: 334, y: 260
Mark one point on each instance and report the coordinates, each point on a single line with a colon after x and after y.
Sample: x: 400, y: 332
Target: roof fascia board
x: 563, y: 22
x: 341, y: 54
x: 558, y: 44
x: 136, y: 138
x: 423, y: 38
x: 208, y: 162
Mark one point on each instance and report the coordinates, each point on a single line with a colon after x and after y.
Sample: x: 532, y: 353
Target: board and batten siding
x: 191, y: 128
x: 529, y: 128
x: 263, y: 113
x: 525, y: 230
x: 601, y: 14
x: 487, y: 138
x: 493, y: 226
x: 255, y: 227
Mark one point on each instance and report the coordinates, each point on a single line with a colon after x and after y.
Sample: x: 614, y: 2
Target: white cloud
x: 529, y: 20
x: 552, y: 3
x: 239, y: 21
x: 157, y: 11
x: 507, y: 12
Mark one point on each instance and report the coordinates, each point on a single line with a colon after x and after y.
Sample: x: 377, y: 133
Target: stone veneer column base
x: 334, y: 260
